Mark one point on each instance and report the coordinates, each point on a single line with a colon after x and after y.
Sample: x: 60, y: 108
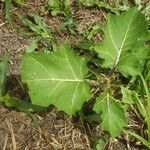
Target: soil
x: 52, y: 129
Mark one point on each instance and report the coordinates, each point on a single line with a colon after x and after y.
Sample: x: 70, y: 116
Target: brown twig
x: 9, y: 125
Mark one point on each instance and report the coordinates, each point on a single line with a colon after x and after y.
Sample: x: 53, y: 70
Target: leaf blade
x: 113, y: 118
x: 62, y: 76
x: 3, y: 69
x: 124, y: 42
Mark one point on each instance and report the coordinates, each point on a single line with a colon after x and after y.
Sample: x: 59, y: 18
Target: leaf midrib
x: 61, y: 80
x: 123, y: 41
x: 57, y: 79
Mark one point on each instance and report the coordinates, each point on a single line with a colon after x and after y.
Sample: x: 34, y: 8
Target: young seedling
x: 7, y: 8
x: 92, y: 3
x: 39, y: 28
x: 62, y: 7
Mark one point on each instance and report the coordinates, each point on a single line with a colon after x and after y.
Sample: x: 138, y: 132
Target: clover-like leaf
x: 124, y: 46
x: 113, y: 117
x: 56, y: 78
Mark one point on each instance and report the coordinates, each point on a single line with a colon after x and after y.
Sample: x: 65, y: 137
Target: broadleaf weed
x: 61, y: 77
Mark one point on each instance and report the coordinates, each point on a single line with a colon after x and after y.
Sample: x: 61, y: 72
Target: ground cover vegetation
x: 99, y: 81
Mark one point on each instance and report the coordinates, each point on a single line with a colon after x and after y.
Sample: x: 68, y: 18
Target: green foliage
x: 20, y: 105
x: 33, y: 45
x: 113, y: 117
x: 39, y: 28
x: 63, y: 7
x: 143, y: 106
x: 146, y: 11
x: 3, y: 69
x: 59, y: 7
x: 102, y: 4
x: 8, y: 100
x: 55, y: 6
x: 7, y: 4
x: 57, y: 78
x: 127, y: 96
x: 7, y: 8
x: 19, y: 2
x: 100, y: 145
x: 145, y: 142
x: 147, y: 69
x: 124, y: 45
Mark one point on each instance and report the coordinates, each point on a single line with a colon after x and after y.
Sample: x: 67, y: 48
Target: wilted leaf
x: 113, y: 117
x: 56, y: 78
x: 124, y: 45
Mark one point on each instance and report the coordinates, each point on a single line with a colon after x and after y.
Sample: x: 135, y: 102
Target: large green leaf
x: 56, y: 78
x: 113, y: 117
x: 124, y: 45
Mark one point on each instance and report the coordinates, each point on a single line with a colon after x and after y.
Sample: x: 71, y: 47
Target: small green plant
x: 62, y: 7
x: 102, y: 4
x: 119, y: 50
x: 40, y: 29
x: 49, y: 76
x: 142, y: 102
x: 7, y: 6
x: 61, y: 77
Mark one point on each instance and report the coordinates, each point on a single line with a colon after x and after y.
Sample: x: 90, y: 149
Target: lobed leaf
x: 124, y: 45
x: 113, y: 117
x: 57, y: 78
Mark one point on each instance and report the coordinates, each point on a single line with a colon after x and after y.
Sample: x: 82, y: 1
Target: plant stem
x: 148, y: 105
x: 145, y: 142
x: 146, y: 89
x: 132, y: 80
x: 93, y: 82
